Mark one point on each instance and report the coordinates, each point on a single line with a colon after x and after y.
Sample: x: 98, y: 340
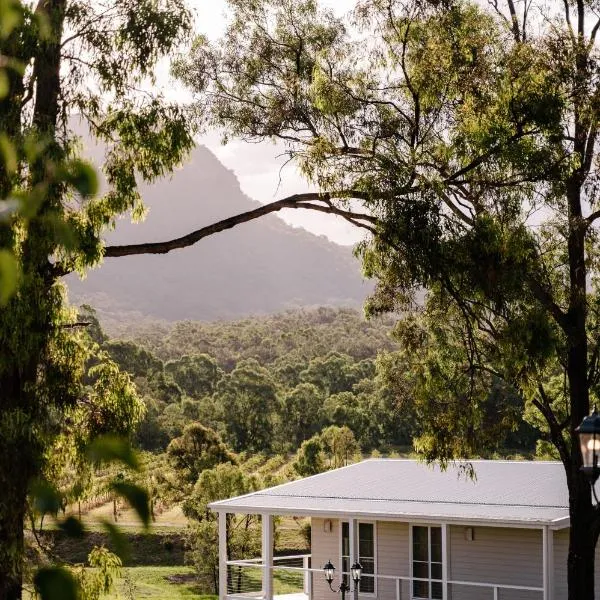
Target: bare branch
x: 556, y: 435
x: 514, y: 20
x: 592, y: 217
x: 310, y: 201
x: 75, y: 325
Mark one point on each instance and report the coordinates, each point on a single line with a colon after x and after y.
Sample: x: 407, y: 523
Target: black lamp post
x: 355, y: 572
x: 589, y: 443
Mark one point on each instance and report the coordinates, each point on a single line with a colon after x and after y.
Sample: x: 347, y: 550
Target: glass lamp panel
x: 590, y: 446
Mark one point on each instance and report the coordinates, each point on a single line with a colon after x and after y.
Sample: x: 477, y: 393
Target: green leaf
x: 9, y: 275
x: 137, y: 498
x: 111, y: 448
x: 81, y: 176
x: 55, y: 583
x: 62, y: 231
x: 10, y: 16
x: 46, y: 498
x: 7, y: 148
x: 73, y: 527
x: 4, y: 83
x: 118, y: 539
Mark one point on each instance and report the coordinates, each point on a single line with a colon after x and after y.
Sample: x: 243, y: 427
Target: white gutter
x: 401, y: 517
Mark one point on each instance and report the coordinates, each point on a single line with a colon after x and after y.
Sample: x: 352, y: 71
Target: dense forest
x: 268, y: 384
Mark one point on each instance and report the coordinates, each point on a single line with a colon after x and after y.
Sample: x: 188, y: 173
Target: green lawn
x: 177, y: 583
x: 284, y: 582
x: 153, y: 582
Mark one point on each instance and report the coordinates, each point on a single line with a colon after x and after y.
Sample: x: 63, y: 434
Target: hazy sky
x: 259, y: 168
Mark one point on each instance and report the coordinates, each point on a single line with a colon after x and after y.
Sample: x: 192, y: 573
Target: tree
x: 309, y: 458
x: 196, y: 375
x: 132, y: 358
x: 198, y: 449
x: 469, y: 136
x: 332, y: 373
x: 64, y: 57
x: 247, y: 399
x: 300, y: 413
x: 224, y: 481
x: 339, y: 444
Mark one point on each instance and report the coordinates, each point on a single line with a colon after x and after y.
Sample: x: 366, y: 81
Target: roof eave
x: 225, y: 506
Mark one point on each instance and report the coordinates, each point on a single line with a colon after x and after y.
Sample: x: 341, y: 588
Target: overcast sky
x: 259, y: 168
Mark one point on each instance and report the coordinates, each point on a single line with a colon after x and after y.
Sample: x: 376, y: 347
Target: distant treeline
x: 267, y: 384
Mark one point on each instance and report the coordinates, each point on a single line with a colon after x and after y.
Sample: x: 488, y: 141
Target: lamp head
x: 589, y: 444
x: 356, y: 572
x: 329, y: 571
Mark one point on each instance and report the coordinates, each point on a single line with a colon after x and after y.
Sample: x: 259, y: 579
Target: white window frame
x: 443, y: 580
x: 358, y: 523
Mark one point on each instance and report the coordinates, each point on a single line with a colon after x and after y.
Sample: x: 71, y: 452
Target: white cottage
x: 419, y: 533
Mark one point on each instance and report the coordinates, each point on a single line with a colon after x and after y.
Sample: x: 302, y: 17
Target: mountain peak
x: 258, y: 267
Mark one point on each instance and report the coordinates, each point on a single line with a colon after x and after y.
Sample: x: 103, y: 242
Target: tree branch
x: 556, y: 435
x: 545, y: 298
x: 310, y: 201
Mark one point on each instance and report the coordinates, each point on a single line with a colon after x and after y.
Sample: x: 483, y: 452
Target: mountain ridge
x: 256, y: 268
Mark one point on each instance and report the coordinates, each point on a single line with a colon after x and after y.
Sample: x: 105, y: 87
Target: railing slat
x: 306, y: 586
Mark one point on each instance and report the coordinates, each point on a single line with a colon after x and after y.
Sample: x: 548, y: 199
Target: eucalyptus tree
x: 467, y: 134
x: 62, y: 58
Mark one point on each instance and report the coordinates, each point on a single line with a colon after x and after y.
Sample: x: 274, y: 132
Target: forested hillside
x: 268, y: 384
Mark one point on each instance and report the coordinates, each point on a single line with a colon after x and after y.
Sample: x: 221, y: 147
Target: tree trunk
x: 583, y: 516
x: 582, y: 546
x: 12, y: 544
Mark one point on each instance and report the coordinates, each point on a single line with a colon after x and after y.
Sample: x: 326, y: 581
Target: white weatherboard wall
x: 324, y: 546
x: 561, y: 551
x: 393, y: 558
x: 499, y: 555
x: 496, y: 555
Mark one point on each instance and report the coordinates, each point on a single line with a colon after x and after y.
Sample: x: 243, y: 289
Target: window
x: 366, y: 555
x: 427, y: 562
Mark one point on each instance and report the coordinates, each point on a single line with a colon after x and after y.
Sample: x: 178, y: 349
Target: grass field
x: 177, y: 583
x: 156, y: 567
x: 165, y: 583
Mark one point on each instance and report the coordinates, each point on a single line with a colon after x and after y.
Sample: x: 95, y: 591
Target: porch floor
x: 259, y: 596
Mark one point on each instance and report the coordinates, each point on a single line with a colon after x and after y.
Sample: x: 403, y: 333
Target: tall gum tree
x: 62, y: 57
x: 467, y: 134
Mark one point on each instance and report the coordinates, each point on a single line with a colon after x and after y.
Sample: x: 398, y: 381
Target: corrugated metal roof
x: 517, y: 492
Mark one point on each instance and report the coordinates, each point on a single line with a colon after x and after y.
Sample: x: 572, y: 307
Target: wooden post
x: 353, y: 538
x: 222, y: 555
x: 548, y: 562
x: 267, y: 556
x: 445, y: 561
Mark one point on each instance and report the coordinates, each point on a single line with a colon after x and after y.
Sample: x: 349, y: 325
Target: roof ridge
x: 411, y: 500
x: 459, y: 460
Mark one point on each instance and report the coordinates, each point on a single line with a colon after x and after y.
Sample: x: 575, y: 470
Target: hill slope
x: 259, y: 267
